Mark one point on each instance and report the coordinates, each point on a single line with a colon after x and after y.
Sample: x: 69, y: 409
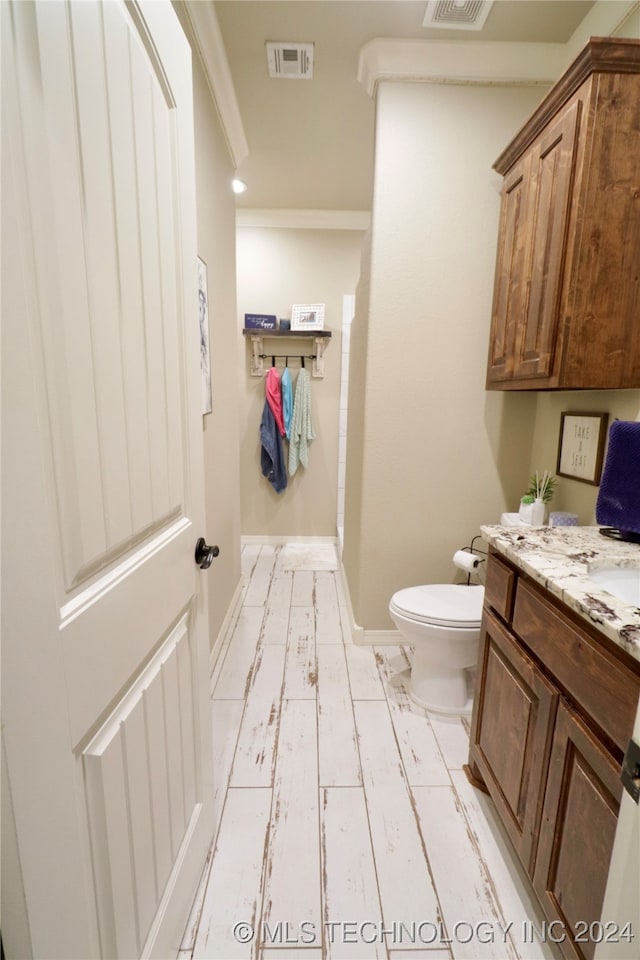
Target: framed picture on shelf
x: 205, y: 356
x: 581, y: 446
x: 307, y: 316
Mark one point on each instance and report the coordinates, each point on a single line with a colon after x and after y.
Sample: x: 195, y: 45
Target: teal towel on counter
x: 301, y: 427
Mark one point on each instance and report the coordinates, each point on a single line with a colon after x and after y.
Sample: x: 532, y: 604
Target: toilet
x: 441, y: 621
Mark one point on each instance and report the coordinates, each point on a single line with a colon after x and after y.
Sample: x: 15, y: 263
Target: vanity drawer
x: 604, y: 688
x: 499, y: 587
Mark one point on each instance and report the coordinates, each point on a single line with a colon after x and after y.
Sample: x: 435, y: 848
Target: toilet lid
x: 443, y: 604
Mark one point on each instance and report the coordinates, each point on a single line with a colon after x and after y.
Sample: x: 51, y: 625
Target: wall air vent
x: 290, y: 61
x: 457, y: 14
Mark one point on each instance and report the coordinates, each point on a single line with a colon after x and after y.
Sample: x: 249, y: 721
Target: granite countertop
x: 561, y: 558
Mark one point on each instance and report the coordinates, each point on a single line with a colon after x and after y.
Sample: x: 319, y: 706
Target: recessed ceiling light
x: 239, y: 186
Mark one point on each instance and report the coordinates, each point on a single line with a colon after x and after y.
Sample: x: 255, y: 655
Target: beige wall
x: 216, y: 246
x: 356, y: 446
x: 278, y: 267
x: 436, y: 455
x: 431, y: 454
x: 631, y: 26
x: 574, y: 495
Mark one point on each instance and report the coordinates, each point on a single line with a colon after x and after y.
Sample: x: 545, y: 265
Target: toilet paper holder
x: 467, y: 559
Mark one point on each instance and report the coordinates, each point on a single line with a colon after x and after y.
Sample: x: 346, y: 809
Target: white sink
x: 622, y: 582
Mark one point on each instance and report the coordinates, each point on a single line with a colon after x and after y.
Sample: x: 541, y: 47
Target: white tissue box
x: 510, y: 520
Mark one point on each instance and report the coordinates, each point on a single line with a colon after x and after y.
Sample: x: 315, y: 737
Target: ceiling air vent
x: 290, y: 61
x: 457, y: 14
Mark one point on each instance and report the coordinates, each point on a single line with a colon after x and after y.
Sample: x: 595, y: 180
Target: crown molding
x: 304, y: 219
x: 599, y: 55
x: 213, y: 56
x: 604, y: 19
x: 435, y: 61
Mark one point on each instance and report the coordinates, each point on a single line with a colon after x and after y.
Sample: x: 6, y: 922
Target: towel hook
x: 302, y: 358
x: 273, y: 361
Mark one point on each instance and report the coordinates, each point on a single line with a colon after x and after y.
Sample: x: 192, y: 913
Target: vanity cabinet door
x: 577, y: 831
x: 514, y: 712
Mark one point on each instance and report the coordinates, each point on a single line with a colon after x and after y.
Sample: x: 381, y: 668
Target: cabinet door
x: 577, y: 831
x: 508, y: 291
x: 550, y: 179
x: 514, y: 712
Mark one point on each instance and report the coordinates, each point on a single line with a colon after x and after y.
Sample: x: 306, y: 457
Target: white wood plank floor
x: 346, y: 827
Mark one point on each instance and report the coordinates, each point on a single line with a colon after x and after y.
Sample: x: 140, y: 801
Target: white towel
x: 301, y: 427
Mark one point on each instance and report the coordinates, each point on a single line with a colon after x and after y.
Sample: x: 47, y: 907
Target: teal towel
x: 287, y: 400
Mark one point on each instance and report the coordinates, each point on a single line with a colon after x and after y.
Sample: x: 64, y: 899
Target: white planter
x: 532, y: 513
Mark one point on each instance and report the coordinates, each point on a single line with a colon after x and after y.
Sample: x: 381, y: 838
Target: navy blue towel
x: 618, y: 503
x: 271, y: 453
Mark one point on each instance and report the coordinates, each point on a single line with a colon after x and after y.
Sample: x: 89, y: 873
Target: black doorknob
x: 205, y: 554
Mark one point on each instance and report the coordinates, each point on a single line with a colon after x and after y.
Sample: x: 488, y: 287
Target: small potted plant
x: 533, y: 503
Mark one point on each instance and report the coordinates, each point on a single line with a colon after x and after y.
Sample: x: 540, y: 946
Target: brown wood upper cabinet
x: 567, y: 286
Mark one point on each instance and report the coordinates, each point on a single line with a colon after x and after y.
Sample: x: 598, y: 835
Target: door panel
x: 509, y: 278
x: 105, y: 720
x: 137, y: 823
x: 111, y: 375
x: 102, y: 643
x: 550, y: 188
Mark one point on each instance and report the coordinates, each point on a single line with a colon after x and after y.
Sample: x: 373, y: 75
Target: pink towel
x: 274, y: 396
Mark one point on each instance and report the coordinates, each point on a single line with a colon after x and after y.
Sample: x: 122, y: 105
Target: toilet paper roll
x: 464, y: 560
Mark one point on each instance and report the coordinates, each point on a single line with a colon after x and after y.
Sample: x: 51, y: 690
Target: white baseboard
x: 382, y: 638
x: 227, y: 625
x: 354, y: 628
x: 359, y: 636
x: 276, y: 541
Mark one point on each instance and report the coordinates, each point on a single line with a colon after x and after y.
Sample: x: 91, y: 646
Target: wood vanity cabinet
x: 577, y: 830
x: 567, y: 283
x: 554, y: 708
x: 516, y: 711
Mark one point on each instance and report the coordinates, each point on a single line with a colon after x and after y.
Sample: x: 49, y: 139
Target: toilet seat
x: 441, y: 604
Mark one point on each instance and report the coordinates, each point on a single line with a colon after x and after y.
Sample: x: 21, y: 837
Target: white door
x: 106, y: 730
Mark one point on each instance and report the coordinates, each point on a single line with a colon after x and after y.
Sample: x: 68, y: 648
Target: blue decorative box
x: 560, y: 518
x: 259, y: 321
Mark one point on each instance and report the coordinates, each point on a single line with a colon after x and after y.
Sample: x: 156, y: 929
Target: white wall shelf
x: 259, y: 354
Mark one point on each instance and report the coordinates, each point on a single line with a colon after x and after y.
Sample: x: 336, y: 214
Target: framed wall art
x: 205, y: 356
x: 581, y: 446
x: 307, y: 316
